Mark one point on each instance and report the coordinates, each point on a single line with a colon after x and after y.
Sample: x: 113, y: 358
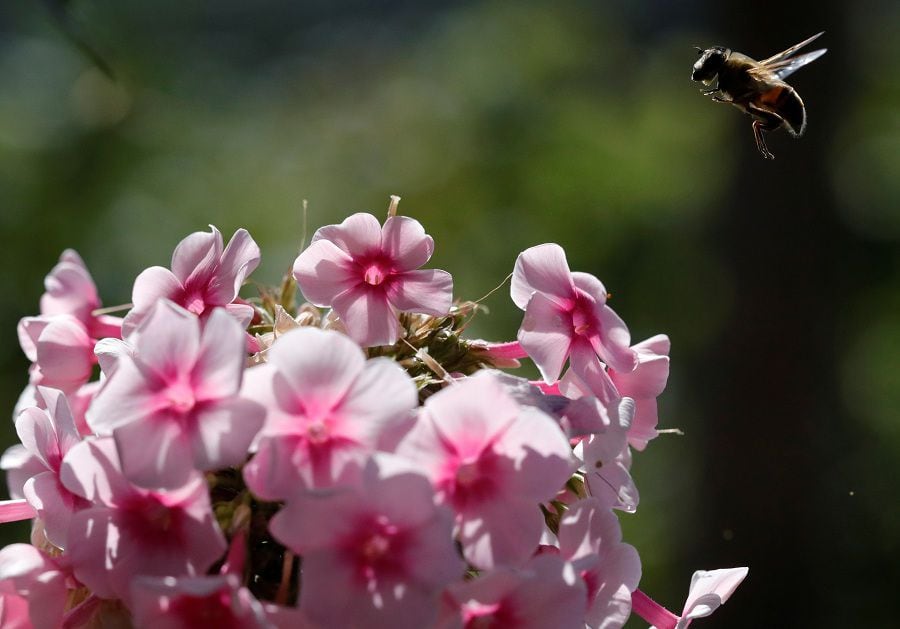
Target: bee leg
x: 758, y: 129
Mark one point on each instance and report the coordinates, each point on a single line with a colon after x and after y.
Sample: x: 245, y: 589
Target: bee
x: 757, y: 87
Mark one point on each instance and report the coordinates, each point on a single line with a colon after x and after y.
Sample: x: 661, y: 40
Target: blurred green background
x: 508, y: 124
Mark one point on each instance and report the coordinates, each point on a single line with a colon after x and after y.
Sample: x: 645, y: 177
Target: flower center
x: 375, y: 274
x: 582, y: 317
x: 317, y: 432
x: 181, y: 398
x: 194, y: 302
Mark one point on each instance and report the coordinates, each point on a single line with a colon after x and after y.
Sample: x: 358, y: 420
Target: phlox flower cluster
x: 352, y: 460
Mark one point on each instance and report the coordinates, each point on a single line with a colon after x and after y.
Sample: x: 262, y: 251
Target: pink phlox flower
x: 216, y: 602
x: 368, y: 273
x: 591, y: 539
x: 129, y: 531
x: 709, y: 590
x: 566, y: 316
x: 377, y: 551
x: 493, y: 461
x: 174, y: 405
x: 48, y: 435
x: 545, y: 592
x: 605, y: 456
x: 70, y: 289
x: 326, y: 405
x: 60, y: 341
x: 41, y: 580
x: 203, y: 277
x: 644, y: 385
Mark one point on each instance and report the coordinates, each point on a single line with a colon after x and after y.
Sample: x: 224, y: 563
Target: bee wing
x: 786, y: 67
x: 787, y: 53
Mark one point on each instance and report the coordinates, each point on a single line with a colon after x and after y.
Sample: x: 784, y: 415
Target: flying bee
x: 757, y: 87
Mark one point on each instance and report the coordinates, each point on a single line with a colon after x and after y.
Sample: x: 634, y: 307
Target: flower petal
x: 220, y: 358
x: 369, y: 318
x: 546, y: 334
x: 428, y: 291
x: 542, y: 269
x: 404, y: 240
x: 224, y: 432
x: 359, y: 235
x: 239, y: 259
x: 154, y: 454
x: 195, y: 258
x: 323, y: 271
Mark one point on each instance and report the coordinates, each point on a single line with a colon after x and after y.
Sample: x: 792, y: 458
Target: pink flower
x: 709, y: 590
x: 591, y: 539
x: 60, y: 342
x: 566, y: 316
x: 376, y: 552
x: 545, y: 592
x: 173, y: 407
x: 644, y: 385
x: 40, y: 580
x: 605, y: 454
x: 203, y: 276
x: 326, y: 403
x: 493, y: 461
x: 19, y: 465
x: 367, y: 274
x: 49, y: 435
x: 217, y: 602
x: 70, y: 290
x: 130, y: 531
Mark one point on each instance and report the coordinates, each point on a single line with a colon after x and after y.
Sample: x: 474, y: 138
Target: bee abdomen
x: 785, y: 101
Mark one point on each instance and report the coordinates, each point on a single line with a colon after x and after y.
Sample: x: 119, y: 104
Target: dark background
x: 507, y: 124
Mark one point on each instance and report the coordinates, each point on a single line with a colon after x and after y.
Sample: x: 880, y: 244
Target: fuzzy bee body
x: 757, y: 87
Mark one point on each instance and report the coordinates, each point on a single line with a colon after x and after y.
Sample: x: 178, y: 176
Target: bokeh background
x: 507, y: 124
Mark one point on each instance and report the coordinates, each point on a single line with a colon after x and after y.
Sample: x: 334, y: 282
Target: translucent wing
x: 787, y: 53
x: 784, y: 68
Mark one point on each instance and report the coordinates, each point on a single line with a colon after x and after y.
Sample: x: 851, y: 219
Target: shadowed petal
x: 369, y: 318
x: 428, y: 291
x: 546, y: 334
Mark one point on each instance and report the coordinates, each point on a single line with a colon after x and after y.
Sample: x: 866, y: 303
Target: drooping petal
x: 368, y: 316
x: 546, y: 334
x: 323, y: 271
x: 428, y: 291
x: 404, y: 240
x: 542, y: 269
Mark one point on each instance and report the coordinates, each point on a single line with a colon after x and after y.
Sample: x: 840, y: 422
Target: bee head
x: 710, y: 62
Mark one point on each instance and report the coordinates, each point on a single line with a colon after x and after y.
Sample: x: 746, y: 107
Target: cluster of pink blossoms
x: 349, y: 462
